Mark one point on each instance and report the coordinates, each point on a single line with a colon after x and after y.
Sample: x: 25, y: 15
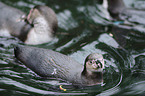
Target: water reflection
x: 66, y: 20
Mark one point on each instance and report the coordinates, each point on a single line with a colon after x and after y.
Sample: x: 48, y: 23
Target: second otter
x: 40, y: 25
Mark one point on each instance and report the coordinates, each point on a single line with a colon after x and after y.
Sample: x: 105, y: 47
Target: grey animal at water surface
x: 38, y: 27
x: 119, y: 11
x: 48, y: 63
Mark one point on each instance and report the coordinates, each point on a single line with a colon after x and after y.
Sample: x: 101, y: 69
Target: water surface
x: 84, y: 28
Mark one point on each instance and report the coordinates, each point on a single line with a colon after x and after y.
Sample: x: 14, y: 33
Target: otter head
x: 44, y: 24
x: 44, y: 12
x: 94, y: 63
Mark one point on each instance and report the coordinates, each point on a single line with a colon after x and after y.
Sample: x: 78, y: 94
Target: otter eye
x: 91, y: 62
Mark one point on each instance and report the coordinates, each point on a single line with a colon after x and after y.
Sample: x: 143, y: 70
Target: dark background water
x: 84, y: 28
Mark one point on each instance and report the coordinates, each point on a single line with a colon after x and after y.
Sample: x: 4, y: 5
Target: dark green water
x: 83, y: 29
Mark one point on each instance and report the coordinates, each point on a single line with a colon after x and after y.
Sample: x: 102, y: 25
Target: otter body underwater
x: 38, y: 27
x: 48, y: 63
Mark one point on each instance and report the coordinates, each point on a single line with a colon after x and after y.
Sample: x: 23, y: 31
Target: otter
x: 48, y: 63
x: 119, y: 11
x: 38, y: 27
x: 116, y: 7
